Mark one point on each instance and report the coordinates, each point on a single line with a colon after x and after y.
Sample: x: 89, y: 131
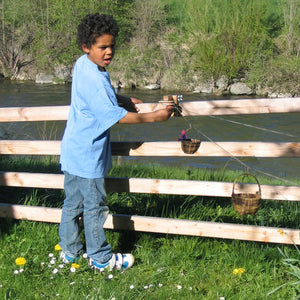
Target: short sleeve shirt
x: 85, y: 147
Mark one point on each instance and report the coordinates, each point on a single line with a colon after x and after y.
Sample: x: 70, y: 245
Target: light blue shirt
x: 85, y: 147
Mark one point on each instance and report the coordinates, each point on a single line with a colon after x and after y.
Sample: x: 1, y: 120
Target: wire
x: 256, y: 127
x: 234, y: 157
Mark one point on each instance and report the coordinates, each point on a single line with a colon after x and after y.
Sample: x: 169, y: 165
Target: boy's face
x: 102, y: 51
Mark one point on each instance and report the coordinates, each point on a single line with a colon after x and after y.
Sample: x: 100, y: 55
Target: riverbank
x: 220, y: 48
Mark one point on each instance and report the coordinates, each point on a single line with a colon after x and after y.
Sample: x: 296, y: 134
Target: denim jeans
x: 84, y: 197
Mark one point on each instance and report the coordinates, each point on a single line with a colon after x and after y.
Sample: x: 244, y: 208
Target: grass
x: 167, y: 266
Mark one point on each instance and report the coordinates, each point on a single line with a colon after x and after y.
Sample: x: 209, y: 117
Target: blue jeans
x: 84, y: 197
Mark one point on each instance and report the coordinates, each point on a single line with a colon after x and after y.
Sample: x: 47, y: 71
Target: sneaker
x: 66, y: 259
x: 118, y: 261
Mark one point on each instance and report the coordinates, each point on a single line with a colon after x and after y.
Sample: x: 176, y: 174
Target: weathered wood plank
x: 155, y: 186
x: 164, y: 225
x: 220, y: 149
x: 38, y: 113
x: 231, y: 107
x: 189, y: 108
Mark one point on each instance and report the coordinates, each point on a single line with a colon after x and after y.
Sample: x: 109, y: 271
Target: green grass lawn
x: 166, y: 266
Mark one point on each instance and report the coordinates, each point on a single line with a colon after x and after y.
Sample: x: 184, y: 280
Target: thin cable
x: 252, y: 126
x: 234, y: 157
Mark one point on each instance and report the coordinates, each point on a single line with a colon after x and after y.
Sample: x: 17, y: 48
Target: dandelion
x: 131, y: 287
x: 55, y: 271
x: 179, y: 287
x: 50, y: 255
x: 21, y: 270
x: 52, y: 261
x: 84, y: 255
x: 72, y: 283
x: 76, y: 266
x: 110, y: 276
x: 146, y: 287
x: 72, y: 270
x: 160, y: 284
x: 281, y: 232
x: 61, y: 266
x: 20, y: 261
x: 57, y: 247
x: 16, y: 272
x: 238, y: 271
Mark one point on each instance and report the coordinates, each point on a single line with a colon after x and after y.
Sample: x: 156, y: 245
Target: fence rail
x: 160, y: 186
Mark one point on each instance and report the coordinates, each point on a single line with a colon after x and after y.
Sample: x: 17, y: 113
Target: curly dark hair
x: 94, y: 25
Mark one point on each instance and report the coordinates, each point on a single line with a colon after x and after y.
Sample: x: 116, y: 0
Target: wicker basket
x: 190, y: 146
x: 246, y: 203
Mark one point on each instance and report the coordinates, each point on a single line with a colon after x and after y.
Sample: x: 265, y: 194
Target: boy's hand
x: 136, y: 101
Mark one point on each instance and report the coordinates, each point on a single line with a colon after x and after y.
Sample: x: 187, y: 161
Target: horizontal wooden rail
x: 164, y: 225
x: 189, y: 108
x: 219, y: 149
x: 155, y: 186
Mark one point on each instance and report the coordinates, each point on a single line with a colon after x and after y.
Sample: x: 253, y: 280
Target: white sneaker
x: 66, y: 259
x: 118, y: 261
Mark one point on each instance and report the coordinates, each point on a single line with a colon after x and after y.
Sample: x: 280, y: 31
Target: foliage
x: 169, y: 42
x: 230, y: 35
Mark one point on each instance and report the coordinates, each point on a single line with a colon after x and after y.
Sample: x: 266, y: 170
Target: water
x: 14, y: 94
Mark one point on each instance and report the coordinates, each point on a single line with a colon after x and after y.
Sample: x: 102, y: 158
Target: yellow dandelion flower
x: 20, y: 261
x: 57, y: 247
x: 76, y: 266
x: 241, y: 270
x: 235, y: 271
x: 281, y: 232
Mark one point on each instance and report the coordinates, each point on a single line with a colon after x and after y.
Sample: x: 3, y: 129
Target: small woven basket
x: 190, y: 146
x: 246, y: 203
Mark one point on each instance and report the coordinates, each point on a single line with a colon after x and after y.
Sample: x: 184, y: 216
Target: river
x: 261, y: 127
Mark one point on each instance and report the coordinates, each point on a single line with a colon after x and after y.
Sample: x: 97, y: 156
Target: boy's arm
x: 160, y: 115
x: 128, y: 103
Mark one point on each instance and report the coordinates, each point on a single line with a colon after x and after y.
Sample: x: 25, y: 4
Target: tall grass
x: 167, y: 266
x: 230, y: 35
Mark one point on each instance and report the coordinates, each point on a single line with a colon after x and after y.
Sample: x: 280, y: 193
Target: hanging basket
x: 246, y: 203
x: 190, y: 146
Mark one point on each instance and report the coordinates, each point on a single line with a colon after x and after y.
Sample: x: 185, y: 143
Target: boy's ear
x: 85, y: 48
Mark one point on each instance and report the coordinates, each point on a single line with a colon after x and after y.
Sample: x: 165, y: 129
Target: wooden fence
x: 161, y: 186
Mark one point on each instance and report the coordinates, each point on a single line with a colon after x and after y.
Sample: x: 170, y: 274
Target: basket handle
x: 246, y: 175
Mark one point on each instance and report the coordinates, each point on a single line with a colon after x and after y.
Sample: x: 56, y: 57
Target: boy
x: 85, y: 149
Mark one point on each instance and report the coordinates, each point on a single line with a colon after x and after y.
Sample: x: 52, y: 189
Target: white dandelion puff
x: 72, y: 270
x: 61, y: 266
x: 50, y: 255
x: 55, y: 271
x: 16, y: 272
x: 131, y: 287
x: 84, y: 255
x: 110, y: 276
x: 146, y: 287
x: 21, y: 270
x: 179, y: 287
x: 160, y: 284
x: 52, y: 261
